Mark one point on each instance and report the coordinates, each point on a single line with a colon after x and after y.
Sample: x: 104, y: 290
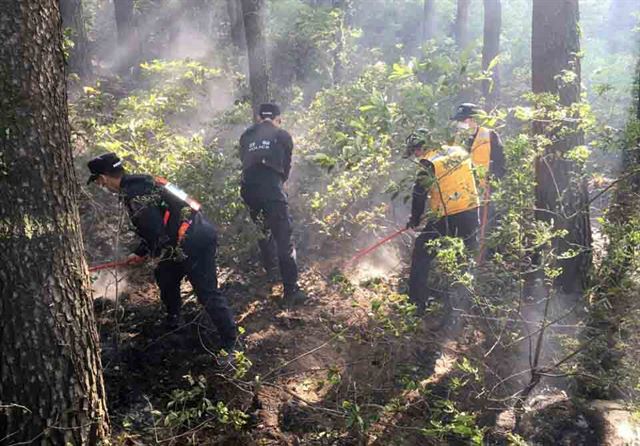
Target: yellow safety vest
x: 454, y: 189
x: 481, y: 154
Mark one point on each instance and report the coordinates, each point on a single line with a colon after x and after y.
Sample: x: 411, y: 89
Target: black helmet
x: 417, y: 139
x: 104, y: 164
x: 466, y: 110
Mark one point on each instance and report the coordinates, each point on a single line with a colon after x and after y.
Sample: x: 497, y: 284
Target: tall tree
x: 128, y: 38
x: 236, y: 24
x: 461, y: 25
x: 561, y: 192
x: 252, y: 12
x: 51, y: 386
x: 428, y: 20
x: 491, y: 49
x: 73, y: 19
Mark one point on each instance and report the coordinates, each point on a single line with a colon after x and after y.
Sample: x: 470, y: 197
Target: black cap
x: 466, y: 110
x: 104, y: 164
x: 268, y: 111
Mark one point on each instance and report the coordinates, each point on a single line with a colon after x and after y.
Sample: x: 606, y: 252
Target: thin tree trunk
x: 236, y: 25
x: 252, y: 11
x: 428, y: 20
x: 128, y: 38
x: 73, y: 18
x: 461, y: 25
x: 338, y: 54
x: 491, y: 49
x: 561, y: 192
x: 51, y: 386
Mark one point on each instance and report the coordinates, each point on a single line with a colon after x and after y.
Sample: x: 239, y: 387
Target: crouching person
x: 174, y: 231
x: 445, y: 179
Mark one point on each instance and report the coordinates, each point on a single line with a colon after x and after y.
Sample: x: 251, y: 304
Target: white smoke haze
x: 609, y: 60
x: 109, y: 284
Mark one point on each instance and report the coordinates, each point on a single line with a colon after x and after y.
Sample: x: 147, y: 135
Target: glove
x: 412, y: 224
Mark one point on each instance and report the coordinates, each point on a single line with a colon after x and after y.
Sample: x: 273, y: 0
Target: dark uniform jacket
x: 424, y: 181
x: 265, y: 151
x: 147, y: 204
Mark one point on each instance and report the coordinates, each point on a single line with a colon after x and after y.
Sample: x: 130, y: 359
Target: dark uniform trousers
x: 269, y: 210
x: 464, y: 225
x: 199, y: 267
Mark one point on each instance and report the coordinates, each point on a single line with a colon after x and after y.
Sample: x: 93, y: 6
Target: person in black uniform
x: 174, y: 230
x: 265, y: 152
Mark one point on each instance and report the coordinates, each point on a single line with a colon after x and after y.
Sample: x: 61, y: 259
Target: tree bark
x: 561, y: 193
x: 51, y: 386
x: 128, y: 38
x: 236, y: 25
x: 491, y: 49
x: 252, y: 11
x: 428, y: 20
x: 461, y: 25
x: 73, y: 18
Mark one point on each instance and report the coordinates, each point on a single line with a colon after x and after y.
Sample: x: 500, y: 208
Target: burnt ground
x: 349, y: 367
x: 332, y: 371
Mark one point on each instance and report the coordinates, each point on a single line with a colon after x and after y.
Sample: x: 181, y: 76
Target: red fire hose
x: 366, y: 251
x: 108, y: 265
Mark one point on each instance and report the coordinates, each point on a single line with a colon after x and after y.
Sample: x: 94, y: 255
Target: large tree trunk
x: 73, y: 18
x: 428, y: 20
x: 236, y: 25
x: 252, y: 11
x: 561, y: 193
x: 51, y: 386
x: 461, y: 25
x: 491, y: 49
x: 128, y: 38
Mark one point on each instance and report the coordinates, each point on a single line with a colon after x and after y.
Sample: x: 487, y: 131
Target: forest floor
x: 332, y: 371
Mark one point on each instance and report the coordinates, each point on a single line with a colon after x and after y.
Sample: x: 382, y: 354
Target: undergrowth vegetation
x: 351, y: 184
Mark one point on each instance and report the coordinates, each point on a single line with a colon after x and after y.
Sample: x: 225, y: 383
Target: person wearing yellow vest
x: 446, y: 180
x: 487, y: 155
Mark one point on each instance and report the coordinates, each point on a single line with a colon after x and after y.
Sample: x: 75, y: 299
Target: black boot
x: 294, y: 296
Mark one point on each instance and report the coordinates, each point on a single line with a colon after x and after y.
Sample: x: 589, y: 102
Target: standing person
x: 173, y: 230
x: 445, y: 179
x: 265, y: 151
x: 487, y: 155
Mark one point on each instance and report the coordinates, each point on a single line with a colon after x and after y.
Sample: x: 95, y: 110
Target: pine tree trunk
x: 461, y: 25
x: 560, y: 195
x: 491, y: 49
x: 128, y: 38
x: 236, y: 25
x: 252, y: 11
x: 51, y: 386
x: 73, y: 18
x: 428, y: 20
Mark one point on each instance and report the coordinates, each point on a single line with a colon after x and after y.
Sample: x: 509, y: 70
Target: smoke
x: 381, y: 263
x: 109, y: 284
